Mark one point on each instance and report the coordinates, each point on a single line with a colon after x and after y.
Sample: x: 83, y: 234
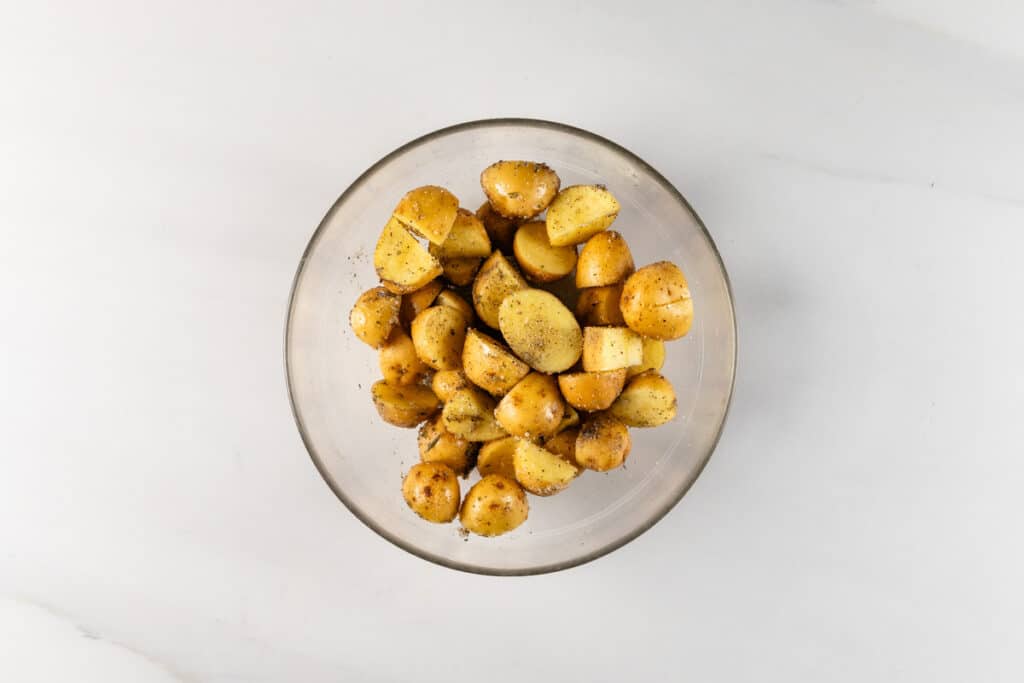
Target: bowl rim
x: 318, y: 461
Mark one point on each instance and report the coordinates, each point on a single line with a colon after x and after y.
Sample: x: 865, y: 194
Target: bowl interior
x: 330, y: 371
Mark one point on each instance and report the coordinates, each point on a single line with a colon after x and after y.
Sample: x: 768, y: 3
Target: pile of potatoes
x: 515, y: 384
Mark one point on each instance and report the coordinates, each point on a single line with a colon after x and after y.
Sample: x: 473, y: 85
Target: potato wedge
x: 604, y: 260
x: 450, y: 298
x: 656, y: 302
x: 540, y: 471
x: 399, y: 364
x: 600, y: 306
x: 490, y: 365
x: 494, y: 506
x: 533, y: 408
x: 469, y: 413
x: 611, y: 348
x: 519, y: 189
x: 438, y: 334
x: 592, y: 391
x: 460, y: 271
x: 496, y: 280
x: 374, y: 315
x: 647, y: 401
x: 653, y: 357
x: 429, y: 211
x: 466, y: 239
x: 500, y: 229
x: 404, y: 406
x: 401, y: 262
x: 540, y: 261
x: 495, y: 457
x: 431, y: 490
x: 563, y: 444
x: 437, y: 444
x: 580, y: 212
x: 447, y: 382
x: 416, y: 302
x: 603, y: 443
x: 540, y: 330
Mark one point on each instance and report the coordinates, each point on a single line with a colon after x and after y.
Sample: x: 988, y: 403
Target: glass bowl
x: 330, y: 371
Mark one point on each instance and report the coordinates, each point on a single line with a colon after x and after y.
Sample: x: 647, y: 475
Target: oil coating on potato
x: 540, y: 471
x: 653, y: 357
x: 438, y: 334
x: 500, y: 229
x: 404, y: 406
x: 540, y: 261
x: 540, y: 330
x: 533, y: 408
x: 496, y: 280
x: 374, y: 316
x: 603, y: 443
x: 401, y: 262
x: 437, y: 444
x: 592, y: 391
x: 399, y: 364
x: 450, y: 298
x: 428, y: 211
x: 600, y: 306
x: 469, y: 413
x: 467, y: 239
x: 490, y: 365
x: 447, y: 382
x: 611, y: 348
x: 656, y: 302
x: 647, y: 401
x: 519, y: 189
x: 431, y: 490
x: 494, y: 506
x: 416, y: 302
x: 563, y: 444
x: 495, y: 457
x: 604, y: 260
x: 579, y: 212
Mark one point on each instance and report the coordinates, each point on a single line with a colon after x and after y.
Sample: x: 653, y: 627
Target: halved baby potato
x: 460, y: 271
x: 540, y: 471
x: 490, y: 365
x: 494, y: 506
x: 495, y: 457
x: 656, y: 301
x: 437, y: 444
x: 374, y: 315
x: 404, y: 406
x: 469, y: 413
x: 467, y: 239
x: 431, y: 489
x: 591, y: 391
x: 438, y: 334
x: 603, y: 443
x: 563, y: 444
x: 533, y: 408
x: 429, y: 211
x: 399, y: 363
x: 611, y: 348
x: 496, y: 280
x: 500, y: 229
x: 647, y: 401
x: 447, y: 382
x: 604, y: 260
x: 401, y: 262
x: 653, y: 357
x: 540, y: 261
x: 416, y: 302
x: 540, y: 330
x: 579, y: 212
x: 519, y: 189
x: 452, y: 299
x: 600, y: 306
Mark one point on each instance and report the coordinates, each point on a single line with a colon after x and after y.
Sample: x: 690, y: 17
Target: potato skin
x: 540, y: 471
x: 399, y: 364
x: 428, y: 211
x: 540, y: 261
x: 490, y: 365
x: 460, y: 271
x: 653, y: 357
x: 500, y: 229
x: 592, y: 391
x: 580, y: 212
x: 374, y: 315
x: 494, y: 506
x: 405, y: 406
x: 519, y: 189
x: 604, y: 260
x: 563, y: 444
x: 450, y: 298
x: 603, y: 443
x: 467, y: 239
x: 533, y: 408
x: 495, y: 457
x: 437, y: 444
x: 540, y: 330
x: 496, y: 280
x: 431, y: 490
x: 600, y: 306
x: 647, y: 401
x: 656, y: 302
x: 416, y: 302
x: 438, y: 334
x: 469, y: 413
x: 402, y: 264
x: 447, y: 382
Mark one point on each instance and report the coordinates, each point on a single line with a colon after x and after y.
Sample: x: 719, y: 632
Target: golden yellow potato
x: 469, y: 413
x: 438, y: 334
x: 580, y: 212
x: 431, y: 489
x: 600, y: 306
x: 404, y: 406
x: 416, y: 302
x: 450, y: 298
x: 519, y: 189
x: 494, y: 506
x: 563, y: 444
x: 447, y: 382
x: 399, y: 364
x: 570, y: 418
x: 437, y: 444
x: 374, y: 316
x: 603, y: 443
x: 611, y: 348
x: 604, y: 260
x: 540, y: 471
x: 495, y: 457
x: 490, y: 365
x: 656, y: 302
x: 653, y: 357
x: 496, y: 280
x: 591, y: 391
x: 429, y: 211
x: 647, y: 401
x: 460, y: 271
x: 533, y: 408
x: 540, y: 330
x: 467, y: 239
x: 500, y: 229
x: 540, y: 261
x: 401, y: 262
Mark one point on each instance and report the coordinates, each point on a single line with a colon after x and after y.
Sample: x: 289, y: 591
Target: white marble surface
x: 861, y: 165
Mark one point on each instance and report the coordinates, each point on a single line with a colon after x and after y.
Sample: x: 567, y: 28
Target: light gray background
x: 860, y: 166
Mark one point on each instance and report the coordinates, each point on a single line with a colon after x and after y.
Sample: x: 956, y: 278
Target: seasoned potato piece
x: 647, y: 401
x: 654, y: 357
x: 656, y: 302
x: 438, y: 334
x: 495, y: 457
x: 429, y: 211
x: 591, y: 391
x: 469, y: 413
x: 447, y: 382
x: 540, y: 471
x: 540, y: 261
x: 600, y: 306
x: 579, y: 212
x: 533, y: 408
x: 402, y: 264
x: 496, y: 280
x: 449, y: 298
x: 431, y: 489
x: 399, y: 364
x: 500, y: 229
x: 404, y: 406
x: 460, y: 271
x: 494, y: 506
x: 519, y: 189
x: 374, y: 316
x: 563, y: 444
x: 467, y: 239
x: 604, y: 260
x: 437, y: 444
x: 611, y: 348
x: 540, y: 330
x: 569, y: 419
x: 416, y: 302
x: 603, y: 443
x: 490, y: 365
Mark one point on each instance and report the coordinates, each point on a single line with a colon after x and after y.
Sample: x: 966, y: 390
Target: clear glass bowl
x: 330, y: 371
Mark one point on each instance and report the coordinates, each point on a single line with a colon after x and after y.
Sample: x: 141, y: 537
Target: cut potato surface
x: 416, y: 302
x: 399, y: 364
x: 496, y: 280
x: 580, y: 212
x: 611, y: 348
x: 533, y: 408
x: 540, y: 261
x: 540, y: 471
x: 452, y: 299
x: 429, y: 211
x: 604, y: 260
x: 600, y: 306
x: 490, y: 365
x: 375, y: 314
x: 500, y: 229
x: 647, y: 401
x: 460, y: 271
x: 656, y: 302
x: 653, y: 357
x: 603, y: 443
x: 437, y: 444
x: 592, y: 391
x: 469, y: 413
x: 404, y: 406
x: 466, y: 239
x: 540, y: 330
x: 495, y: 457
x: 563, y: 445
x: 447, y: 382
x: 519, y: 189
x: 438, y: 334
x: 401, y: 262
x: 431, y: 490
x: 494, y: 506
